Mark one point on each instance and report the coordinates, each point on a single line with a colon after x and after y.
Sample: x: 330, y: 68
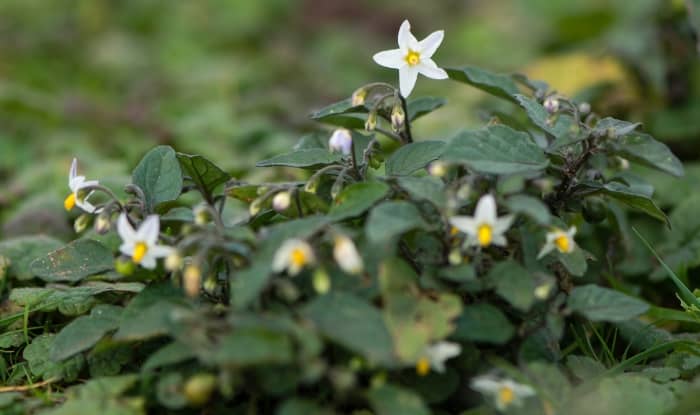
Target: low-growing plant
x: 389, y: 275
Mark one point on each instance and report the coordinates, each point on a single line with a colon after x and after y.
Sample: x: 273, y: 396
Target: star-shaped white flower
x: 78, y: 196
x: 559, y: 239
x: 142, y: 244
x: 346, y: 255
x: 435, y: 356
x: 413, y: 57
x: 505, y: 392
x: 485, y: 227
x: 293, y: 255
x: 341, y: 141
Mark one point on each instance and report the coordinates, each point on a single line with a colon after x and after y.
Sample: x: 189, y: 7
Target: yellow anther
x: 484, y: 234
x: 506, y: 396
x: 298, y: 257
x: 69, y: 203
x: 563, y: 243
x: 412, y: 57
x: 423, y: 366
x: 140, y: 250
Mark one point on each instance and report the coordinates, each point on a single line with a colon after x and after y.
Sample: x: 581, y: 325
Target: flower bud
x: 321, y: 281
x: 81, y: 223
x: 199, y: 388
x: 463, y: 191
x: 102, y: 223
x: 542, y: 291
x: 551, y: 105
x: 584, y: 108
x: 455, y: 257
x: 358, y: 97
x: 312, y: 185
x: 624, y: 163
x: 202, y: 216
x: 336, y: 188
x: 192, y: 280
x: 255, y: 206
x: 398, y: 117
x: 371, y: 122
x: 437, y: 168
x: 341, y: 141
x: 281, y: 201
x: 346, y: 255
x: 210, y: 285
x: 174, y: 261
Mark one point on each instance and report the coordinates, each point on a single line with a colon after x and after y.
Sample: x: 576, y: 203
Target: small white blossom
x: 559, y: 239
x: 551, y: 105
x: 485, y: 227
x: 505, y: 392
x: 341, y: 141
x: 142, y: 244
x: 413, y: 57
x: 78, y: 196
x: 293, y: 255
x: 346, y: 255
x: 435, y: 356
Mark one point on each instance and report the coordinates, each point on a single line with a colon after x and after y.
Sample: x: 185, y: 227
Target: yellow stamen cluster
x: 563, y: 243
x: 484, y: 234
x: 412, y: 57
x: 69, y: 203
x: 140, y: 250
x: 423, y: 366
x: 298, y: 257
x: 506, y: 396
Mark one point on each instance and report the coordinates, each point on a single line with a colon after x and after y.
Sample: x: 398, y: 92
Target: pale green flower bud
x: 398, y: 117
x: 437, y: 168
x: 371, y: 122
x: 199, y: 389
x: 174, y: 261
x: 321, y: 281
x: 82, y: 223
x: 358, y: 97
x: 102, y: 224
x: 192, y: 280
x: 202, y: 216
x: 281, y: 201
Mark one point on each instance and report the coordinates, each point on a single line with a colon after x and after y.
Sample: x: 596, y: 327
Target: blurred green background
x: 235, y: 80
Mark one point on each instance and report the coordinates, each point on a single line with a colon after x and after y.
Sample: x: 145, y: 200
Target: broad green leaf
x: 413, y: 156
x: 629, y: 197
x: 73, y: 262
x: 644, y: 149
x: 245, y: 192
x: 391, y: 219
x: 629, y: 394
x: 37, y: 354
x: 148, y: 313
x: 251, y: 346
x: 105, y: 387
x: 499, y: 85
x: 169, y: 354
x: 342, y: 114
x: 205, y: 174
x: 299, y: 406
x: 575, y: 262
x: 85, y: 331
x: 614, y: 128
x: 584, y: 367
x: 485, y: 323
x: 427, y: 188
x: 21, y: 251
x: 310, y: 158
x: 11, y: 339
x: 603, y: 304
x: 393, y: 400
x: 424, y: 105
x: 514, y: 284
x: 353, y: 323
x: 357, y: 198
x: 159, y: 175
x: 496, y: 149
x: 529, y: 206
x: 563, y: 127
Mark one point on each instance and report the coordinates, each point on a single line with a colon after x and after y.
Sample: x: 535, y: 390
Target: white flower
x: 412, y: 57
x: 504, y: 392
x: 293, y: 255
x: 78, y: 196
x: 559, y: 239
x: 484, y: 228
x: 346, y: 255
x: 141, y: 244
x: 435, y: 356
x: 341, y: 141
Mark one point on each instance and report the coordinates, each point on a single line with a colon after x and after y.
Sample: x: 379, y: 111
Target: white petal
x: 441, y: 352
x: 159, y: 251
x: 429, y: 45
x: 486, y: 210
x: 499, y: 240
x: 485, y: 384
x: 76, y: 183
x: 84, y: 205
x: 571, y: 232
x: 127, y: 248
x: 149, y: 229
x: 547, y: 248
x: 73, y: 170
x: 281, y: 259
x: 88, y: 183
x: 390, y: 58
x: 466, y: 224
x: 503, y: 224
x: 148, y: 262
x: 406, y: 38
x: 521, y: 391
x: 407, y: 80
x: 429, y: 68
x: 125, y: 230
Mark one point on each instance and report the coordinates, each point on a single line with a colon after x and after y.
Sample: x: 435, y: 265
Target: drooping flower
x: 559, y: 239
x: 341, y: 141
x: 293, y: 255
x: 505, y: 392
x: 79, y: 195
x: 435, y: 356
x: 346, y: 255
x: 413, y: 57
x: 142, y: 244
x: 485, y: 227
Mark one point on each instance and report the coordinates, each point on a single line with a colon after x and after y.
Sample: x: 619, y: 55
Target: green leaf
x: 563, y: 127
x: 298, y: 406
x: 312, y: 158
x: 629, y: 394
x: 496, y: 149
x: 529, y: 206
x: 574, y: 262
x: 499, y: 85
x: 614, y: 128
x: 424, y: 105
x: 159, y: 175
x: 249, y: 346
x: 629, y: 197
x: 514, y: 284
x: 148, y: 314
x: 37, y: 355
x: 352, y: 323
x: 205, y: 174
x: 391, y: 219
x: 412, y: 157
x: 357, y: 198
x: 342, y: 114
x: 427, y: 188
x: 603, y: 304
x: 483, y: 323
x: 392, y: 400
x: 23, y: 250
x: 73, y: 262
x: 169, y: 354
x: 85, y: 331
x: 644, y: 149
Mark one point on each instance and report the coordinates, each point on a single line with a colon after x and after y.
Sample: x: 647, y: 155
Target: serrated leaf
x: 85, y: 331
x: 391, y: 219
x: 73, y: 262
x: 413, y: 156
x: 646, y: 150
x: 21, y: 251
x: 352, y: 323
x: 392, y: 400
x: 499, y: 85
x: 310, y: 158
x: 496, y: 149
x: 603, y: 304
x: 205, y: 174
x: 422, y: 106
x: 483, y: 323
x: 159, y: 175
x: 357, y: 198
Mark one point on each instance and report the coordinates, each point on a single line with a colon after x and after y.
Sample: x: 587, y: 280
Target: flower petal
x: 149, y: 229
x: 148, y: 262
x: 125, y: 230
x: 486, y: 210
x: 499, y: 240
x: 407, y: 80
x: 406, y: 38
x: 73, y: 170
x: 429, y: 68
x: 466, y: 224
x: 485, y: 384
x: 429, y: 45
x: 547, y: 248
x: 503, y: 224
x: 393, y: 58
x: 159, y: 251
x: 127, y: 248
